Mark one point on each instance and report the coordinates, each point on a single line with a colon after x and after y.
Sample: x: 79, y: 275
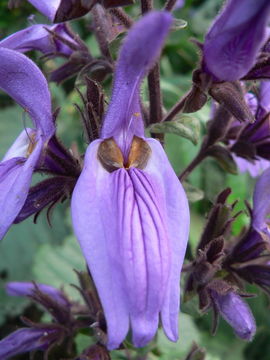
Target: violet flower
x: 64, y: 10
x: 25, y: 83
x: 235, y: 38
x: 52, y: 41
x: 27, y: 339
x: 261, y: 204
x: 252, y: 146
x: 43, y: 38
x: 236, y: 312
x: 249, y: 258
x: 129, y: 210
x: 29, y: 288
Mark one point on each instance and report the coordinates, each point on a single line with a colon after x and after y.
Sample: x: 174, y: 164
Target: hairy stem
x: 169, y: 5
x: 122, y: 16
x: 202, y: 154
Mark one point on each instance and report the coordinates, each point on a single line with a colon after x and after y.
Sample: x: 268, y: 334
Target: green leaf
x: 185, y: 126
x: 17, y: 256
x: 188, y: 333
x: 193, y: 193
x: 54, y: 265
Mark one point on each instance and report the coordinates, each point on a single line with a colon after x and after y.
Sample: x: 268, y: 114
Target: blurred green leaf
x: 185, y: 126
x: 17, y: 255
x: 55, y: 265
x: 188, y: 333
x: 194, y: 194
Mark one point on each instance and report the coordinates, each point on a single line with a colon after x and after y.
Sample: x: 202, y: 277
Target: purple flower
x: 236, y: 312
x: 28, y: 289
x: 43, y: 38
x: 27, y: 339
x: 251, y: 142
x: 52, y: 41
x: 63, y: 10
x: 25, y: 83
x: 47, y: 7
x: 261, y: 204
x: 129, y: 210
x: 233, y: 42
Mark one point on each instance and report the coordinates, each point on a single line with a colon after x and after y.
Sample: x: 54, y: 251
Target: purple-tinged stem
x: 202, y: 154
x: 122, y: 16
x: 170, y: 5
x: 175, y: 110
x: 100, y: 33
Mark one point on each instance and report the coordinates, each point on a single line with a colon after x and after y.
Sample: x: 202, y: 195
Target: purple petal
x: 19, y: 148
x: 26, y: 84
x: 264, y: 99
x: 261, y: 203
x: 15, y: 180
x: 138, y: 53
x: 255, y: 168
x: 138, y: 223
x: 95, y: 227
x: 234, y: 40
x: 24, y: 340
x: 46, y: 7
x: 36, y: 37
x: 237, y: 313
x: 252, y: 102
x: 28, y: 289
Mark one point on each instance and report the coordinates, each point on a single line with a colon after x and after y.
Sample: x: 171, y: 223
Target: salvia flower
x: 27, y: 339
x: 28, y: 289
x: 250, y: 143
x: 233, y: 42
x: 24, y: 82
x: 249, y: 257
x: 63, y: 10
x: 129, y: 211
x: 261, y: 204
x: 236, y: 312
x: 52, y: 40
x: 43, y: 38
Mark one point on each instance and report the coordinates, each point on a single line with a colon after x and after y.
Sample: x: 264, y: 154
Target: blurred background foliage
x: 49, y: 254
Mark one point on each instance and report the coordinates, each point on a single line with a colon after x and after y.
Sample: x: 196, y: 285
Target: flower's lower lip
x: 111, y: 157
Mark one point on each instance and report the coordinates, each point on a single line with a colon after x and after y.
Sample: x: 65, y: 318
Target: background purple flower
x: 235, y: 38
x: 25, y: 83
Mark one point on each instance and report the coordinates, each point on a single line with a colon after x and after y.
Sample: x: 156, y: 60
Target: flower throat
x: 111, y: 157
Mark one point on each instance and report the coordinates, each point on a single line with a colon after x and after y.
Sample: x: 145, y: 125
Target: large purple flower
x: 25, y: 83
x: 233, y: 42
x: 129, y: 210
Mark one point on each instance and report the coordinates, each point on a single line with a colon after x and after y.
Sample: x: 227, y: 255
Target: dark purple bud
x: 28, y: 289
x: 235, y: 38
x: 236, y: 312
x: 230, y: 96
x: 27, y: 339
x: 197, y: 96
x: 219, y: 220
